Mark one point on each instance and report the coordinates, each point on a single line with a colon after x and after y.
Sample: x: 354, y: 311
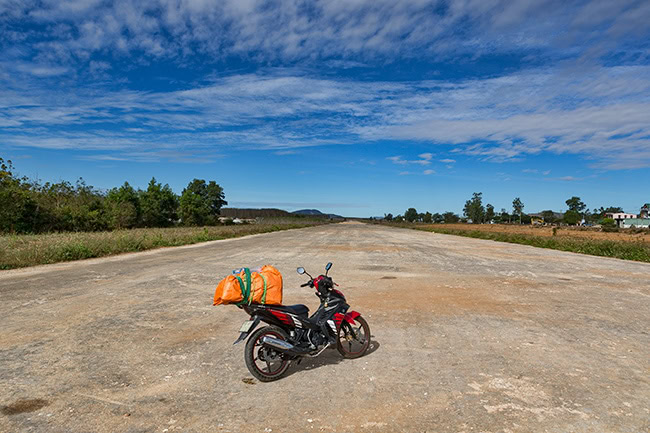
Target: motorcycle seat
x: 297, y: 309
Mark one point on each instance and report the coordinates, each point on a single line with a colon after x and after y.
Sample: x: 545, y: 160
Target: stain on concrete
x: 23, y: 406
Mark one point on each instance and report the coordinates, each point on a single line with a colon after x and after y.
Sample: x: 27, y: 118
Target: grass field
x: 17, y: 251
x: 627, y: 244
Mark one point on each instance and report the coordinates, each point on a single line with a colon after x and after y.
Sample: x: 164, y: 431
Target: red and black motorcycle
x: 292, y: 334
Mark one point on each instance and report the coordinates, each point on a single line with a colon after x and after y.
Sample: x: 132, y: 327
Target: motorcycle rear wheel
x: 346, y: 340
x: 274, y: 365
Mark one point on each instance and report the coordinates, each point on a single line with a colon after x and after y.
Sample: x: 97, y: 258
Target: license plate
x: 246, y: 326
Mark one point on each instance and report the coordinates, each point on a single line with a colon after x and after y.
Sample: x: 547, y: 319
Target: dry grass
x: 17, y: 251
x: 623, y: 235
x: 627, y: 245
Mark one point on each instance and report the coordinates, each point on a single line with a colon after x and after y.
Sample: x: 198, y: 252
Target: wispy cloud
x: 601, y: 113
x: 425, y: 159
x: 607, y: 120
x: 294, y: 29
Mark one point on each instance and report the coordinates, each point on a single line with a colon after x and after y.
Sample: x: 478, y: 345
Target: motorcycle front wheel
x: 265, y: 363
x: 353, y: 340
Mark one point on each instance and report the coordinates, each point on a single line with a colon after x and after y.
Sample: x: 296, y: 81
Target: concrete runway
x: 468, y: 336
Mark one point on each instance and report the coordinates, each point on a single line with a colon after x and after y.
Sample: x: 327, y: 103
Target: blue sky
x: 353, y: 107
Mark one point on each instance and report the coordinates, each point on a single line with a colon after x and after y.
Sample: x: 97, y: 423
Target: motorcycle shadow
x: 330, y: 356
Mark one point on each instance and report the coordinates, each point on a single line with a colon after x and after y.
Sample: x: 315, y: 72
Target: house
x: 619, y: 217
x: 629, y: 220
x: 645, y: 211
x: 638, y: 223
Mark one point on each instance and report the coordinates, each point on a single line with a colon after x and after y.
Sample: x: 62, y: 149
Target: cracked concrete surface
x: 468, y: 335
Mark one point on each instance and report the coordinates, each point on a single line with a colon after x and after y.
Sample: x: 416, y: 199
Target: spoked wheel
x: 265, y: 363
x: 354, y: 340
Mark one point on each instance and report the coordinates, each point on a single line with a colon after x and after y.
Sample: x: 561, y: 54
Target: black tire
x: 344, y: 344
x: 254, y: 349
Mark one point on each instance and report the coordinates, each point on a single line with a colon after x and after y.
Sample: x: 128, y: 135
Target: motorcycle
x: 292, y: 335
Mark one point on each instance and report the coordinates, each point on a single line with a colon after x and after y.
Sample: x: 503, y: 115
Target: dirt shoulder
x: 547, y: 231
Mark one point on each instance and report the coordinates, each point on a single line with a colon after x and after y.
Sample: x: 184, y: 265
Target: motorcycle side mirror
x: 300, y: 270
x: 328, y: 267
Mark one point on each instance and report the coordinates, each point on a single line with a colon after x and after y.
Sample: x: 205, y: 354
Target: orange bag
x: 257, y: 287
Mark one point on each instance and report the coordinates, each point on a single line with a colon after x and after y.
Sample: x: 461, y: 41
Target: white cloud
x: 397, y: 160
x: 425, y: 159
x: 428, y: 172
x: 338, y: 30
x: 603, y: 116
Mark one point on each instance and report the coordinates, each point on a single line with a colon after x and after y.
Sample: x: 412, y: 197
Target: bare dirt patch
x: 546, y: 231
x: 472, y: 296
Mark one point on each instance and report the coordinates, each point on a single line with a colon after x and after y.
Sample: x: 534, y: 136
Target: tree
x: 17, y: 204
x: 571, y: 217
x: 159, y: 205
x: 474, y: 209
x: 200, y: 203
x: 517, y: 207
x: 549, y: 216
x: 575, y: 204
x: 601, y: 213
x: 399, y: 218
x: 608, y: 223
x: 388, y: 216
x: 427, y: 218
x: 411, y: 215
x: 437, y: 218
x: 123, y: 206
x: 504, y: 216
x: 489, y: 213
x: 450, y: 217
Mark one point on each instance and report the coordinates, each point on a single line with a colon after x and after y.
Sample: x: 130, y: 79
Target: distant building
x: 619, y: 217
x: 639, y: 223
x: 645, y: 211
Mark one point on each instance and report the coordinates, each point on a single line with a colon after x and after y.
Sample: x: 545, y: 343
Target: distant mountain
x: 316, y: 212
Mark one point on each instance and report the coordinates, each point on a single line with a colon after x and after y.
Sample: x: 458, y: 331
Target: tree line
x: 28, y: 206
x: 475, y: 212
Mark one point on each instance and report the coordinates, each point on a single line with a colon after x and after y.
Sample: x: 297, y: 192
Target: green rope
x: 248, y: 285
x: 242, y: 288
x: 247, y: 296
x: 264, y: 295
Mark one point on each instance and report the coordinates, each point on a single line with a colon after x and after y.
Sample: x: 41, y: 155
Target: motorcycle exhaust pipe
x: 283, y: 346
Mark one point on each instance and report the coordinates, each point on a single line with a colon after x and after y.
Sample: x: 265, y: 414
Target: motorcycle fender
x: 350, y: 316
x: 244, y: 335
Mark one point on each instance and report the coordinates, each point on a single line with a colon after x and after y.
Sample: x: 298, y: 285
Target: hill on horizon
x: 316, y: 212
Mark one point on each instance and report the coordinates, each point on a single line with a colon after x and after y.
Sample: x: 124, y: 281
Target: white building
x: 638, y: 223
x: 620, y: 216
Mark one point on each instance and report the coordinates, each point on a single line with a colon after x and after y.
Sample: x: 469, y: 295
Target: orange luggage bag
x: 263, y: 286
